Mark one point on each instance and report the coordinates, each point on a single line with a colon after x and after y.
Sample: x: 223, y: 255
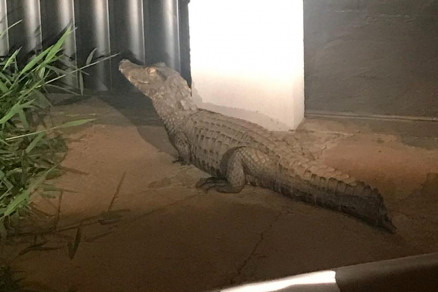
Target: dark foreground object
x: 236, y: 152
x: 409, y: 274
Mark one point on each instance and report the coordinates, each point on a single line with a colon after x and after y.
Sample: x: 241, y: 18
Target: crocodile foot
x: 180, y: 160
x: 219, y: 184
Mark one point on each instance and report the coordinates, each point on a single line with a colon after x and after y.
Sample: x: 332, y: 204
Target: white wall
x: 247, y: 59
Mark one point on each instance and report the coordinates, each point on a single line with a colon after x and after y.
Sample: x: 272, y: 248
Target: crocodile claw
x: 206, y: 184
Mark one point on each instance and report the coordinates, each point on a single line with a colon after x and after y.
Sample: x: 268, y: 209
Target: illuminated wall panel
x: 248, y: 55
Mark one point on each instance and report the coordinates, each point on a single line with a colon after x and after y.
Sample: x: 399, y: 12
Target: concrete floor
x: 131, y: 220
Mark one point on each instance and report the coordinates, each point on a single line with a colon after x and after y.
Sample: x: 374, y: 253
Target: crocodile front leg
x: 180, y: 142
x: 236, y: 165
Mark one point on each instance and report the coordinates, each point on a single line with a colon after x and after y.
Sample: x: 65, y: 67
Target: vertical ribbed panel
x: 127, y: 35
x: 16, y: 34
x: 56, y: 16
x: 4, y: 41
x: 27, y: 34
x: 134, y: 28
x: 184, y: 40
x: 145, y: 31
x: 32, y: 24
x: 164, y: 32
x: 92, y: 19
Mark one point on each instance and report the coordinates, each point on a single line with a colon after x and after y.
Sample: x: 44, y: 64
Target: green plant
x: 30, y: 150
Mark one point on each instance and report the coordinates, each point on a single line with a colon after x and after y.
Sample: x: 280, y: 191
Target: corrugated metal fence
x: 146, y: 31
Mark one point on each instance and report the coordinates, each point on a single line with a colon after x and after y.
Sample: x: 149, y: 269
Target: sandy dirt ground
x: 129, y: 219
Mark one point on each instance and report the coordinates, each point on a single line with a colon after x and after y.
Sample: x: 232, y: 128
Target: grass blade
x: 90, y: 56
x: 65, y: 125
x: 11, y: 59
x: 16, y: 108
x: 73, y: 247
x: 16, y: 203
x: 35, y: 142
x: 34, y: 61
x: 56, y: 48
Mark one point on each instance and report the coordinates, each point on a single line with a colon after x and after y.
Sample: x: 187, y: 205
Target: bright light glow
x: 324, y: 277
x: 248, y: 54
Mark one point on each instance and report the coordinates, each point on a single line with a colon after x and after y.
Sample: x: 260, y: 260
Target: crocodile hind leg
x: 236, y: 165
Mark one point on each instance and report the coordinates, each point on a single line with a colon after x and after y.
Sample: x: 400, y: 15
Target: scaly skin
x: 236, y: 152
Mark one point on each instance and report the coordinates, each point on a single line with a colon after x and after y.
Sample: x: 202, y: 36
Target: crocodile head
x: 160, y: 83
x: 150, y: 80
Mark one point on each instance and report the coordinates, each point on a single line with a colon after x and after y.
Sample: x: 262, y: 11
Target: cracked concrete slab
x: 144, y: 227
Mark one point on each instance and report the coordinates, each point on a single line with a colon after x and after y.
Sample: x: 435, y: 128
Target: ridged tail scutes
x: 324, y: 186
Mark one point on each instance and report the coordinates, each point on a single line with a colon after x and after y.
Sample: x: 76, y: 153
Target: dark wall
x: 145, y: 31
x: 372, y: 56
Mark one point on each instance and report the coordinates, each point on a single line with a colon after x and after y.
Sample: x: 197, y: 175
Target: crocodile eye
x: 151, y: 70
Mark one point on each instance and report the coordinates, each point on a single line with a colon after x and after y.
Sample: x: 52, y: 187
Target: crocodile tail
x: 325, y: 186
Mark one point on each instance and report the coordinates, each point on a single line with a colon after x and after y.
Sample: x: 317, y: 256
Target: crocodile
x: 236, y: 152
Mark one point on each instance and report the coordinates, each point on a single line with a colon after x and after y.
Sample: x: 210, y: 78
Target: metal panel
x: 128, y: 28
x: 184, y: 40
x: 146, y: 31
x: 92, y: 18
x: 26, y: 35
x: 32, y: 24
x: 57, y: 16
x: 127, y: 36
x: 4, y: 41
x: 164, y: 25
x: 16, y: 34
